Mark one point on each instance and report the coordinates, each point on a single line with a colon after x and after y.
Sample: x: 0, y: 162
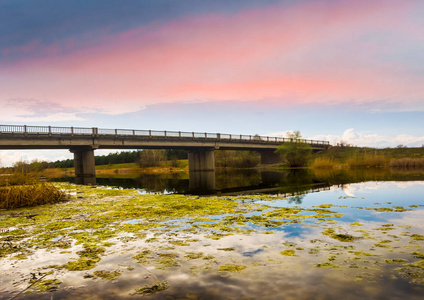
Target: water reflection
x: 254, y: 181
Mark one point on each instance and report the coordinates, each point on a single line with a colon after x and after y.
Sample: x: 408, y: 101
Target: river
x: 323, y: 234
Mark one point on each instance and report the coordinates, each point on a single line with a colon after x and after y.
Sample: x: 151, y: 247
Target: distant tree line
x: 139, y: 156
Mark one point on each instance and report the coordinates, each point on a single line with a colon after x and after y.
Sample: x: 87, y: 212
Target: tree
x: 296, y: 152
x: 151, y: 158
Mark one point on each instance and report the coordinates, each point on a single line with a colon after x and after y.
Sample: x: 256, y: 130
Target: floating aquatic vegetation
x: 231, y: 268
x: 343, y: 237
x: 289, y: 253
x: 396, y: 261
x: 326, y: 265
x: 195, y: 255
x: 154, y: 288
x: 106, y: 274
x: 42, y: 286
x: 227, y: 249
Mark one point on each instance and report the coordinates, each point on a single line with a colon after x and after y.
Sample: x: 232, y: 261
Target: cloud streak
x: 312, y: 53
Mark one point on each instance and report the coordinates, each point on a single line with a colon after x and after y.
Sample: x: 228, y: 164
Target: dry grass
x: 368, y: 160
x: 22, y: 190
x: 323, y: 163
x: 407, y: 163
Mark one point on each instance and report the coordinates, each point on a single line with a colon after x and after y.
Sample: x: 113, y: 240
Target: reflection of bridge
x: 83, y: 141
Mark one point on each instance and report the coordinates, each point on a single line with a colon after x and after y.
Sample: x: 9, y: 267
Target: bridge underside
x: 200, y: 149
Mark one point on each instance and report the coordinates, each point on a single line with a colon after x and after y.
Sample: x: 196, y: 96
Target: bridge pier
x: 85, y: 172
x: 269, y: 157
x: 201, y: 166
x: 201, y: 160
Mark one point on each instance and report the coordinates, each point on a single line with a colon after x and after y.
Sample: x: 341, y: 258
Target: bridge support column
x: 201, y: 166
x: 269, y: 157
x: 201, y: 160
x: 85, y: 172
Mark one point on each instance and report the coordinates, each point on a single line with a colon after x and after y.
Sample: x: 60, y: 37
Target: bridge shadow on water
x: 285, y: 183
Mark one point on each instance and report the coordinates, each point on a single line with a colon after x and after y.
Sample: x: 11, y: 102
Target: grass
x: 22, y: 190
x: 356, y: 157
x: 323, y: 162
x: 407, y: 163
x: 370, y: 160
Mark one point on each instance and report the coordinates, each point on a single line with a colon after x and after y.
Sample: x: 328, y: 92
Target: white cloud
x: 368, y: 139
x: 8, y: 157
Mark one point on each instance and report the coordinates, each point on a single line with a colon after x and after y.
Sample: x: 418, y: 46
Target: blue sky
x: 336, y: 70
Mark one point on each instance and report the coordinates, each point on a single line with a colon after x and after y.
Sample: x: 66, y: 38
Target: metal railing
x: 95, y: 132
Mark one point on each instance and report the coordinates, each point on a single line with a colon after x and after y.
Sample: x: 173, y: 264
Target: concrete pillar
x: 201, y: 166
x: 269, y: 157
x: 85, y: 172
x: 201, y: 160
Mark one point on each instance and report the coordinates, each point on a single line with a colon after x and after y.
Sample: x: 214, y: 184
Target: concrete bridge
x: 200, y: 146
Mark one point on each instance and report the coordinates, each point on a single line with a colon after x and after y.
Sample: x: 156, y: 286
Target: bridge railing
x: 50, y: 130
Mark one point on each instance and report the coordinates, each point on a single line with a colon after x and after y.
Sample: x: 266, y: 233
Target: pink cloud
x: 308, y: 53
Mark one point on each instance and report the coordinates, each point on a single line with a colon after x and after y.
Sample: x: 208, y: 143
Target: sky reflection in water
x: 322, y: 266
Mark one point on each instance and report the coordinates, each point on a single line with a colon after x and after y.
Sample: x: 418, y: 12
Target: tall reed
x: 323, y: 163
x: 21, y: 190
x: 365, y: 160
x: 407, y: 163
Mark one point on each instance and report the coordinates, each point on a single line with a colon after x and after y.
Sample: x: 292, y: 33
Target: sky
x: 337, y: 70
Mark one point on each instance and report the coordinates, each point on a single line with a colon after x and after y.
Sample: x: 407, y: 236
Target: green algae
x: 227, y: 249
x: 417, y: 255
x: 109, y: 275
x: 342, y: 237
x: 231, y: 268
x: 179, y: 243
x: 418, y: 264
x: 48, y: 285
x: 289, y: 253
x: 360, y: 253
x: 326, y: 265
x: 417, y: 237
x: 396, y: 261
x: 81, y: 264
x: 152, y: 289
x: 143, y: 256
x: 195, y: 255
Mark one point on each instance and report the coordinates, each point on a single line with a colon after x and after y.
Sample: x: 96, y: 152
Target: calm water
x: 283, y: 256
x: 252, y: 181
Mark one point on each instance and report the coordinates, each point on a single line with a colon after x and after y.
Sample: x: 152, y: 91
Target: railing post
x: 267, y: 139
x: 206, y: 135
x: 218, y: 136
x: 25, y: 129
x: 165, y: 133
x: 230, y: 136
x: 193, y: 134
x: 50, y: 130
x: 179, y: 134
x: 116, y: 132
x: 133, y: 132
x: 72, y: 131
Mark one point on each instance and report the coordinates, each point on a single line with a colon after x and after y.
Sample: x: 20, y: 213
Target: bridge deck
x: 49, y: 137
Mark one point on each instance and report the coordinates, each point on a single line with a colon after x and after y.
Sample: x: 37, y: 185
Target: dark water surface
x: 256, y: 181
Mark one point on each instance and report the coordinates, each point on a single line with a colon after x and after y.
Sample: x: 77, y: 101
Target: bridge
x: 82, y: 142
